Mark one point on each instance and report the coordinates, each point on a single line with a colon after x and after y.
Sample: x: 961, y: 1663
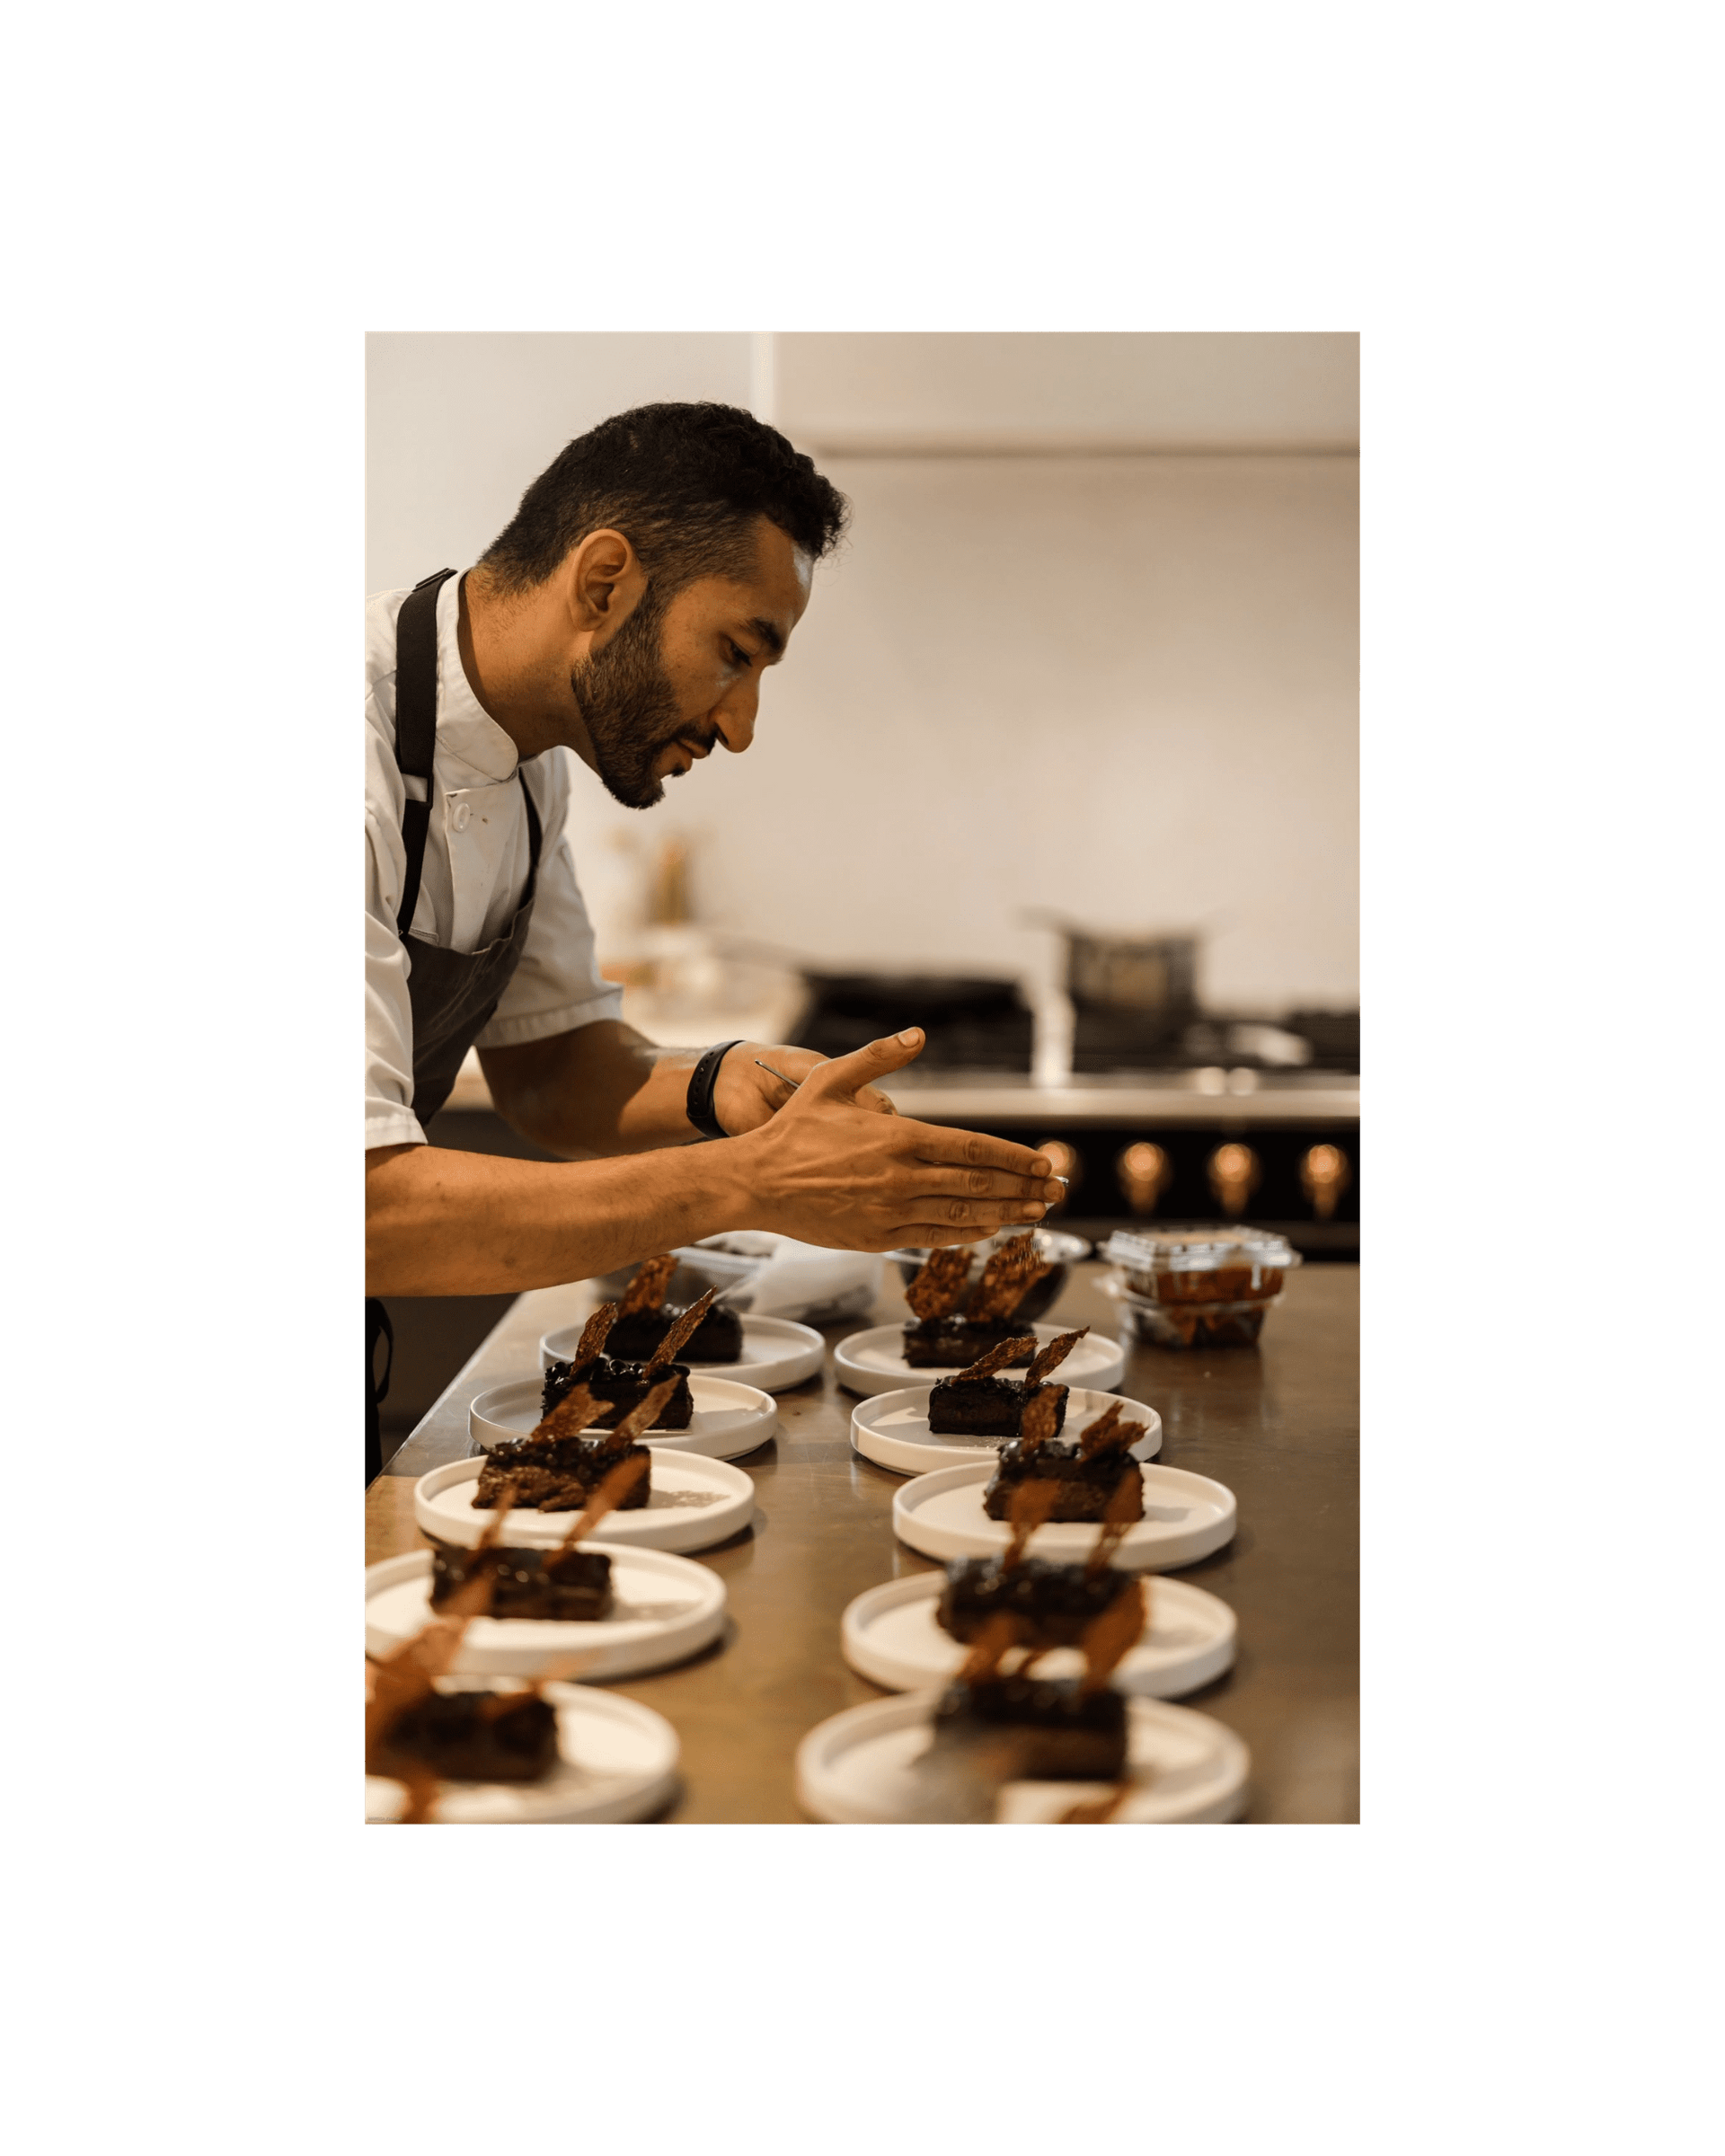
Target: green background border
x: 212, y: 207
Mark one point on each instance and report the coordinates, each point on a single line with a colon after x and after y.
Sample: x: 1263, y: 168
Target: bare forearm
x: 441, y: 1222
x: 604, y: 1090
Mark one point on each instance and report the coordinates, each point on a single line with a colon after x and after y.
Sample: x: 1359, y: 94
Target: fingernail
x: 1054, y: 1192
x: 910, y: 1037
x: 1031, y: 1212
x: 1039, y: 1166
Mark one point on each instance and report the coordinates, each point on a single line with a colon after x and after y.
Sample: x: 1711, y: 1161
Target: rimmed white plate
x: 1185, y: 1517
x: 891, y: 1428
x: 667, y: 1609
x: 777, y: 1353
x: 890, y: 1636
x: 728, y: 1420
x: 859, y: 1768
x: 618, y: 1761
x: 873, y: 1361
x: 693, y: 1502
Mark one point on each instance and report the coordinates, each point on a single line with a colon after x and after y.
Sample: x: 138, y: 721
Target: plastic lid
x: 1198, y: 1249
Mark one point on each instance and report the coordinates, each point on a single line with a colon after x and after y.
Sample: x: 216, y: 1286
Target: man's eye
x: 739, y: 658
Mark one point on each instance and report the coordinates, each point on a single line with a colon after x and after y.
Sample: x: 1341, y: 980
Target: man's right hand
x: 830, y: 1172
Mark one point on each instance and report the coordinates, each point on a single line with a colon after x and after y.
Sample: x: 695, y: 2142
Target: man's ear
x: 605, y: 582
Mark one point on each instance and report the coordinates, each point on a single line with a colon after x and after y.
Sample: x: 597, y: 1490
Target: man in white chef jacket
x: 652, y: 575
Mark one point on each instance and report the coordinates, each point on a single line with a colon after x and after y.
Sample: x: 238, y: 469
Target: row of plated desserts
x: 997, y: 1720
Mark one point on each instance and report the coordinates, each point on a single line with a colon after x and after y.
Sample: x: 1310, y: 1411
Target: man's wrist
x: 698, y: 1102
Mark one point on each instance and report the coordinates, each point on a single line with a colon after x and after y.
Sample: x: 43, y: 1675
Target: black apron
x: 452, y: 993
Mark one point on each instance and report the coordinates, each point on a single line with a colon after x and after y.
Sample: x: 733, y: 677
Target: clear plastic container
x: 1195, y: 1324
x: 1188, y: 1266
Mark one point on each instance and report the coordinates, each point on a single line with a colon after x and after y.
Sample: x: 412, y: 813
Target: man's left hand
x: 745, y: 1096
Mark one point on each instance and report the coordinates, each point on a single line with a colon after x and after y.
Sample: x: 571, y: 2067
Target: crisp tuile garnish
x: 1109, y: 1638
x: 996, y: 1359
x: 996, y: 1640
x: 605, y: 1498
x: 1100, y: 1812
x: 639, y: 1418
x: 1054, y: 1354
x: 646, y: 1291
x: 941, y: 1279
x: 1006, y: 1279
x: 594, y: 1334
x: 1122, y: 1513
x: 683, y: 1328
x: 1031, y: 1504
x: 1042, y: 1413
x: 402, y: 1680
x: 576, y: 1412
x: 1110, y: 1432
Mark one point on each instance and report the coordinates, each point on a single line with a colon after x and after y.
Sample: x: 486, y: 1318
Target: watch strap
x: 702, y: 1080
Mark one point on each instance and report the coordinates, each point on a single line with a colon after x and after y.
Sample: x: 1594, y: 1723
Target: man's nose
x: 734, y: 716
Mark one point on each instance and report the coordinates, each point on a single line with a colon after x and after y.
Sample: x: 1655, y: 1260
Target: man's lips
x: 691, y: 752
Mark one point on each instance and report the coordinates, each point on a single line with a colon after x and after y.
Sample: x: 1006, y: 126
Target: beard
x: 625, y: 696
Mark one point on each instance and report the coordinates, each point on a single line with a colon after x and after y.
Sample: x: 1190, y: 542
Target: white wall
x: 1121, y: 686
x: 887, y: 391
x: 459, y: 423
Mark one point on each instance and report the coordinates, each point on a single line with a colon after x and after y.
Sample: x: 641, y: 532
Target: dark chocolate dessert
x: 556, y: 1469
x: 954, y: 1324
x: 1060, y: 1731
x: 950, y: 1343
x: 569, y: 1587
x: 1097, y: 1479
x: 473, y: 1736
x: 718, y: 1339
x: 975, y: 1403
x: 1050, y: 1605
x: 643, y: 1321
x: 625, y: 1385
x: 555, y: 1474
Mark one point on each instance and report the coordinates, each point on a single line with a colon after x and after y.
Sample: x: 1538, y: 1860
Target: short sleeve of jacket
x: 390, y: 1119
x: 557, y: 987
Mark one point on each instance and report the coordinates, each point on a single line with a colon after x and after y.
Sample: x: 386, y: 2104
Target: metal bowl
x: 1065, y: 1251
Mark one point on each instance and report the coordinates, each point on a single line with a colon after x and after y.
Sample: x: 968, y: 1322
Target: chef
x: 652, y: 574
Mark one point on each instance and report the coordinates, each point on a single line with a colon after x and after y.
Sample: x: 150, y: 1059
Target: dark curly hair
x: 684, y: 484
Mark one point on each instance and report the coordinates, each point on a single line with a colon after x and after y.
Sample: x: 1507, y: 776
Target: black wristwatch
x: 702, y: 1080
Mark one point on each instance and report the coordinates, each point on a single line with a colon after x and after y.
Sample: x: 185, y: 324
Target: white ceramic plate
x: 730, y: 1419
x: 776, y: 1353
x: 1185, y: 1517
x: 619, y: 1761
x: 667, y: 1609
x: 872, y: 1361
x: 857, y: 1769
x: 891, y: 1428
x: 694, y: 1503
x: 889, y: 1636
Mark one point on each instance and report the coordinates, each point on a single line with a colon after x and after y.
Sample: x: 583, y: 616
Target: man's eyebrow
x: 769, y: 635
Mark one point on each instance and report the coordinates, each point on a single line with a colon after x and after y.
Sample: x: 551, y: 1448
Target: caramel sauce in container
x: 1199, y: 1266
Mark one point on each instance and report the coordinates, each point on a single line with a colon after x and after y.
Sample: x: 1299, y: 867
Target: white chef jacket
x: 474, y: 876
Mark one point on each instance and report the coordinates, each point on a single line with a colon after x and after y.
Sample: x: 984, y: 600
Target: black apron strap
x: 377, y: 1327
x: 416, y: 724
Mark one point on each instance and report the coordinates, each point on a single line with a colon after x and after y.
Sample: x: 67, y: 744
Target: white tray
x: 776, y: 1353
x: 1186, y: 1516
x: 891, y: 1428
x: 694, y: 1503
x: 671, y: 1608
x: 872, y: 1361
x: 619, y: 1761
x: 730, y: 1419
x: 889, y: 1636
x: 855, y: 1769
